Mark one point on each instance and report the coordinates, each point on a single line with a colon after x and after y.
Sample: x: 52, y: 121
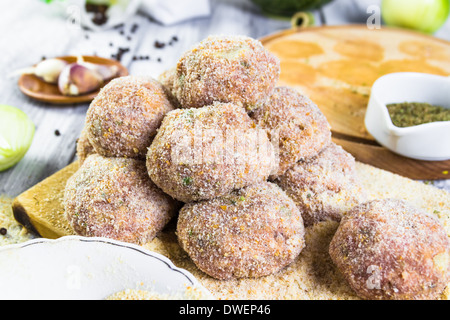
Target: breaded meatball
x: 115, y: 198
x: 204, y: 153
x: 167, y: 79
x: 324, y: 187
x: 388, y: 249
x: 84, y: 146
x: 122, y: 120
x: 235, y: 69
x: 295, y: 124
x: 252, y: 232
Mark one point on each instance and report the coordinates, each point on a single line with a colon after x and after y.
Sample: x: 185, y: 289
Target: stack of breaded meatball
x: 244, y: 166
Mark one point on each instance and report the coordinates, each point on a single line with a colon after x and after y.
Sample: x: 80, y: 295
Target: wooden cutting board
x: 336, y: 66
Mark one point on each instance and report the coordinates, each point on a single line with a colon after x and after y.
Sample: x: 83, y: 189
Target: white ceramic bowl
x: 75, y: 267
x: 429, y: 141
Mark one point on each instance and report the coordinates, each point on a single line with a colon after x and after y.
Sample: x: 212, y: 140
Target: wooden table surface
x: 30, y: 31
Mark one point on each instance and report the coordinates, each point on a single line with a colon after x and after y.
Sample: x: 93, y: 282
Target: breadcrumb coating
x: 324, y: 187
x: 114, y: 198
x: 204, y: 153
x: 252, y: 232
x: 388, y: 249
x: 124, y: 117
x: 84, y: 146
x: 167, y: 79
x: 295, y: 125
x: 235, y: 69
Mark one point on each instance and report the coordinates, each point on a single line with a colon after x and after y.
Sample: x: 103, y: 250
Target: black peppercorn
x: 134, y: 28
x: 159, y: 45
x: 3, y: 231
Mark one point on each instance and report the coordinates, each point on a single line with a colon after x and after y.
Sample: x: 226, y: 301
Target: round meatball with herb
x: 388, y: 249
x: 324, y: 187
x: 123, y: 118
x: 251, y: 232
x: 204, y: 153
x: 115, y: 198
x: 235, y: 69
x: 295, y: 124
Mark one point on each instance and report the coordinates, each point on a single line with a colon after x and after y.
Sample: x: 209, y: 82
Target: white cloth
x: 166, y: 12
x: 170, y: 12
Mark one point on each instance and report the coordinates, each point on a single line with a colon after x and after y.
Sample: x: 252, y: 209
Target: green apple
x: 422, y: 15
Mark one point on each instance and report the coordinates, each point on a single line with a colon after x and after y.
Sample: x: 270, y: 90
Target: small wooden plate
x: 40, y: 90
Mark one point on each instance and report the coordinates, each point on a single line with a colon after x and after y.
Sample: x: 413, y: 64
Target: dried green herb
x: 410, y: 114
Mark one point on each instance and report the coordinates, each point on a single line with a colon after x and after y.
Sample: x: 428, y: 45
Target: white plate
x: 429, y: 141
x: 76, y: 267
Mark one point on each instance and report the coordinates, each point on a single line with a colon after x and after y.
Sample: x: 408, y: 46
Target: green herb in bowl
x: 408, y: 114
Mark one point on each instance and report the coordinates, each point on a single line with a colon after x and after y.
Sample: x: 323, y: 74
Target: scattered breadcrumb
x: 11, y: 232
x: 313, y: 276
x: 191, y: 293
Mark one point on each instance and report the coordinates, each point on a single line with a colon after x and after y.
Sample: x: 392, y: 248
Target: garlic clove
x: 72, y: 79
x: 76, y: 79
x: 105, y: 71
x: 50, y: 69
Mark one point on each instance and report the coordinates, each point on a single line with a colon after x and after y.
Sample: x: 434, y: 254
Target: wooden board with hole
x: 336, y: 67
